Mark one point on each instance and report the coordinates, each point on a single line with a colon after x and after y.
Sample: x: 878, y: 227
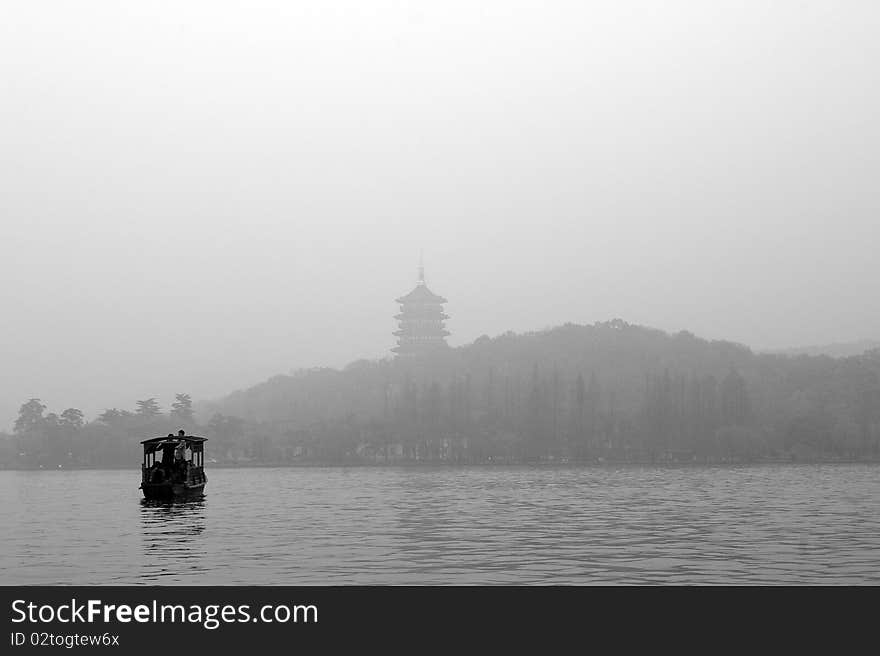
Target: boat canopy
x: 156, y: 443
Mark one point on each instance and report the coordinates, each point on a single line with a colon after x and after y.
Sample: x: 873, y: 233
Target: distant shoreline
x: 473, y: 465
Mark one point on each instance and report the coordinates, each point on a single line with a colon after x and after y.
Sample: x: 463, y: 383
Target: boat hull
x: 167, y: 491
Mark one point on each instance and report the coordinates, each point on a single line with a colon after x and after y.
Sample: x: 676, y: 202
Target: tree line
x: 608, y: 392
x: 49, y: 439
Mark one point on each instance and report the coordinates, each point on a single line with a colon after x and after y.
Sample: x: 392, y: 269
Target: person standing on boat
x: 168, y: 452
x: 161, y: 470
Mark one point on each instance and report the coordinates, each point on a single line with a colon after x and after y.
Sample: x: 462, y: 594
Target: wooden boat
x: 174, y: 467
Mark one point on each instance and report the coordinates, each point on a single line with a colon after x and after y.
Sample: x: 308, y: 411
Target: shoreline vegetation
x: 610, y: 393
x: 484, y: 465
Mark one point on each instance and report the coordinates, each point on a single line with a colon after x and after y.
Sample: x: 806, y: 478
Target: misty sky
x: 197, y: 195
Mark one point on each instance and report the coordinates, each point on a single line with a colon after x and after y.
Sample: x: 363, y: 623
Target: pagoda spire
x: 421, y: 280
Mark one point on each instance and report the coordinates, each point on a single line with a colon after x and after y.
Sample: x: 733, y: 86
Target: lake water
x: 492, y: 525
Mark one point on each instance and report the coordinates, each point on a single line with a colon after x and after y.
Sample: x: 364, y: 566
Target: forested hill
x: 838, y: 350
x: 610, y: 391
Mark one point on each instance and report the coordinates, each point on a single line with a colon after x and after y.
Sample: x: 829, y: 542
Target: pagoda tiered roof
x: 410, y: 315
x: 421, y: 294
x: 416, y: 346
x: 430, y: 331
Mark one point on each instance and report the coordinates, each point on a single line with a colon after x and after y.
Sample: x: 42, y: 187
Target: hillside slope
x: 608, y: 390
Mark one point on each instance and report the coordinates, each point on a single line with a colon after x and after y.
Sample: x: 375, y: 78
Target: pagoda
x: 421, y: 319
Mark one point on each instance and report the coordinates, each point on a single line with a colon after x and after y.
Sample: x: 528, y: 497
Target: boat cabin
x: 173, y: 466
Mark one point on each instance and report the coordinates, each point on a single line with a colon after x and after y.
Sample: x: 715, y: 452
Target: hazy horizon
x: 199, y: 195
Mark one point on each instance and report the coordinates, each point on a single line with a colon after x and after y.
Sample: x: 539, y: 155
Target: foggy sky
x: 197, y: 195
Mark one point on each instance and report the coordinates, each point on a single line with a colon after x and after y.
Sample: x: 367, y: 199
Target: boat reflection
x: 170, y: 531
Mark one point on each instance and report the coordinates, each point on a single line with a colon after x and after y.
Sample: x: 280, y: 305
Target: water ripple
x: 713, y: 525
